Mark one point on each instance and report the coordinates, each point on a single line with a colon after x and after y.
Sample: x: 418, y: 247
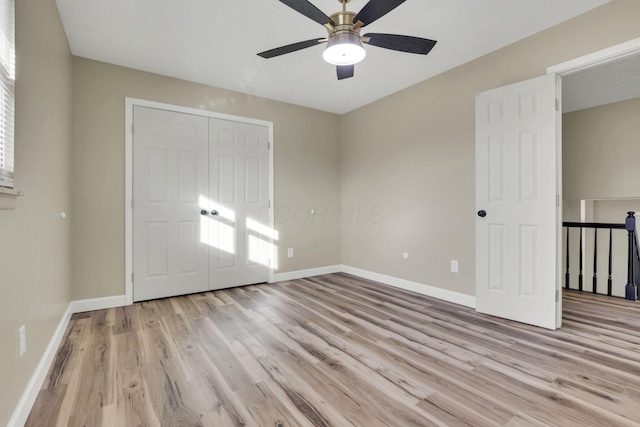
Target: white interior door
x: 516, y: 185
x: 170, y: 176
x: 239, y: 234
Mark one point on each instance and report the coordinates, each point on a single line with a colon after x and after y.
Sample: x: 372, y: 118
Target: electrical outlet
x: 454, y: 266
x: 22, y: 339
x: 290, y: 252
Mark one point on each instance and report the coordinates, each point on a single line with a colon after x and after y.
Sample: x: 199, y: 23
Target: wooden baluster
x: 566, y: 274
x: 609, y: 281
x: 595, y: 261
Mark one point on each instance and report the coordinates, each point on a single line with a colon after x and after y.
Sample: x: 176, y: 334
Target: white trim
x: 431, y: 291
x: 130, y: 103
x: 301, y: 274
x: 128, y: 199
x: 273, y: 256
x: 83, y: 305
x: 599, y: 57
x: 25, y: 404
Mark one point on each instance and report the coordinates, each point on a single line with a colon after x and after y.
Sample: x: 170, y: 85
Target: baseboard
x: 82, y: 305
x: 301, y: 274
x: 21, y: 413
x: 443, y: 294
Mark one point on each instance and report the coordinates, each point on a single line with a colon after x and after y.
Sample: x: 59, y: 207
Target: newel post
x: 631, y: 288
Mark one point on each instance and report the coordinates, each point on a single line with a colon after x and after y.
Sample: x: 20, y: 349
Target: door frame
x: 594, y: 59
x: 130, y: 103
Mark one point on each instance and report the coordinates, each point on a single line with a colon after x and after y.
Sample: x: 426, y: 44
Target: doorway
x: 491, y: 263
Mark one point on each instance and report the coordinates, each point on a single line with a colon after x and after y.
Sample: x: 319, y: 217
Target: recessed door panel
x: 188, y: 177
x: 188, y: 239
x: 496, y: 257
x: 157, y: 265
x: 157, y: 171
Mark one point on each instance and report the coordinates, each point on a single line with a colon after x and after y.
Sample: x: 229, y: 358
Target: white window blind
x: 7, y: 92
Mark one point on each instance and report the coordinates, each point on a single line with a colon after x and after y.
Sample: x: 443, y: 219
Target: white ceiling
x: 215, y: 42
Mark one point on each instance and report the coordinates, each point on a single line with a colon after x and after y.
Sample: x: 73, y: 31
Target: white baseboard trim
x: 301, y: 274
x: 82, y: 305
x: 431, y: 291
x: 21, y: 413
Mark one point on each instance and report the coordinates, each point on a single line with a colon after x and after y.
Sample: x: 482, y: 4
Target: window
x: 7, y: 91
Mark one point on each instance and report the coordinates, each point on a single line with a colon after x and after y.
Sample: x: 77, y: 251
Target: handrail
x: 593, y: 225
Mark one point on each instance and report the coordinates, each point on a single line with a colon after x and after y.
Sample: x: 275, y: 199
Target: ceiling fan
x: 344, y: 43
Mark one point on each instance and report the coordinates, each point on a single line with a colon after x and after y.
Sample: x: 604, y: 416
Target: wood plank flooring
x: 337, y: 350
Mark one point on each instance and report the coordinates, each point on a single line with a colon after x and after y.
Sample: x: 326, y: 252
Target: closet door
x: 239, y: 235
x: 170, y: 164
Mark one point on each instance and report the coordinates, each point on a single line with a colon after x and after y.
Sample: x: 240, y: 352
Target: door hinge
x: 268, y: 145
x: 131, y: 203
x: 557, y: 200
x: 557, y: 295
x: 131, y: 277
x: 269, y: 203
x: 133, y: 129
x: 557, y: 104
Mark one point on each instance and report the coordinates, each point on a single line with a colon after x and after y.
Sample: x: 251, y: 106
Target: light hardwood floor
x: 336, y: 350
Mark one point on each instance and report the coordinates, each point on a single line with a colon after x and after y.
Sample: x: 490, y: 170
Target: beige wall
x: 411, y: 155
x: 34, y: 248
x: 601, y: 151
x: 307, y: 170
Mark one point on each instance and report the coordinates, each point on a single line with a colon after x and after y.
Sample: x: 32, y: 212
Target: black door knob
x: 214, y: 212
x: 203, y: 212
x: 482, y: 213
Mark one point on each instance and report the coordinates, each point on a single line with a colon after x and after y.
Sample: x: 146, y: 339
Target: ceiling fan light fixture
x: 344, y: 48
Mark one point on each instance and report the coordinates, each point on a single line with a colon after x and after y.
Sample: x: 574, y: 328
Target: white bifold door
x: 200, y: 204
x: 517, y: 190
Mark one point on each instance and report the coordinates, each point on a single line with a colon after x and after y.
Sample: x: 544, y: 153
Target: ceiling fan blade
x: 375, y: 10
x: 345, y: 71
x: 290, y: 48
x: 401, y: 43
x: 308, y: 10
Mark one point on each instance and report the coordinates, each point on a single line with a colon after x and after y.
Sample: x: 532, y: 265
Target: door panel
x: 516, y: 184
x: 170, y: 176
x: 239, y: 190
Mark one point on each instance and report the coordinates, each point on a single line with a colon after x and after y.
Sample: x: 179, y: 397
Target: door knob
x: 214, y: 212
x: 203, y: 212
x: 482, y: 213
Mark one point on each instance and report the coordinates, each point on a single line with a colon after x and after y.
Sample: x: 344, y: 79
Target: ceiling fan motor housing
x: 344, y: 45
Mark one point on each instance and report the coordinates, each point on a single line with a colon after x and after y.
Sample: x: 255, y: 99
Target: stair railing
x: 633, y: 262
